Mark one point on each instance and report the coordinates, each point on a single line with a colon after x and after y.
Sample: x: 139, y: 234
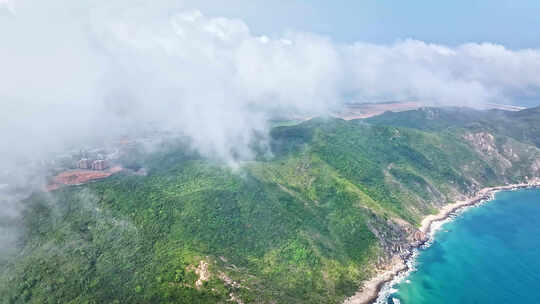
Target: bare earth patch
x: 79, y: 177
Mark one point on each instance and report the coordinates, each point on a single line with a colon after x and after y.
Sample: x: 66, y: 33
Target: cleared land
x: 79, y: 177
x: 366, y: 110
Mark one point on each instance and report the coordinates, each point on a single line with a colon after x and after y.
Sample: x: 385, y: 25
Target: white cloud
x: 80, y: 69
x: 76, y: 71
x: 469, y: 74
x: 7, y: 4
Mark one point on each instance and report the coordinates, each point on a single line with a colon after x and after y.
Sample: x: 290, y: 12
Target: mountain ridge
x: 309, y: 225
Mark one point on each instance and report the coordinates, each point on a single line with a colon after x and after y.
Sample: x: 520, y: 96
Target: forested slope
x: 306, y: 225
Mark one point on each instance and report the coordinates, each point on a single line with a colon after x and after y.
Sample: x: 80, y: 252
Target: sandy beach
x: 369, y: 292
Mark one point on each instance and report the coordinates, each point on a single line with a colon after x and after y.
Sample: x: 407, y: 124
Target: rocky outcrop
x: 482, y: 141
x: 399, y: 263
x: 510, y: 153
x: 485, y: 144
x: 535, y: 167
x: 419, y: 237
x: 203, y: 273
x: 392, y: 236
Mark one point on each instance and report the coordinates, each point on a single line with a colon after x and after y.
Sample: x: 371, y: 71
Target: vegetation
x: 521, y: 125
x: 306, y: 226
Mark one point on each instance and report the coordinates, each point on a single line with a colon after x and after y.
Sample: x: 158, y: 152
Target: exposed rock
x: 234, y: 298
x: 485, y: 144
x: 419, y: 236
x: 392, y: 236
x: 483, y: 141
x: 535, y: 167
x: 203, y: 273
x: 509, y: 152
x: 228, y: 281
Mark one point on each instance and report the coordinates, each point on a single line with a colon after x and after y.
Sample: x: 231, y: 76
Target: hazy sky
x: 512, y: 23
x: 217, y: 71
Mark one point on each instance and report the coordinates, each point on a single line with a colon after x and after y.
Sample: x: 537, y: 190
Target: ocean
x: 489, y: 254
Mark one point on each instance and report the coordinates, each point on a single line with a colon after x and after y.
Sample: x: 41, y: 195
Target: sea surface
x: 489, y: 254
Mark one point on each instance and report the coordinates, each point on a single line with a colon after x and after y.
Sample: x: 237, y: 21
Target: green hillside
x: 522, y: 125
x: 306, y: 225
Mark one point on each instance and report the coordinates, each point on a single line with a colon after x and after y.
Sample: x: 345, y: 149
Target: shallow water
x: 489, y: 254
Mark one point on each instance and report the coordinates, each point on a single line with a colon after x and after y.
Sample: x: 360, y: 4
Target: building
x: 84, y: 164
x: 100, y: 165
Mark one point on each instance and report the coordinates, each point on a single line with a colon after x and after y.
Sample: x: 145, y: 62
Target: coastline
x: 401, y: 264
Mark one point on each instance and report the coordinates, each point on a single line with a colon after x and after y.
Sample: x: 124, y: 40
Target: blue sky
x: 512, y: 23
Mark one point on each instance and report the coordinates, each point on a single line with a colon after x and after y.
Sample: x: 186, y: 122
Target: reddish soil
x: 78, y: 177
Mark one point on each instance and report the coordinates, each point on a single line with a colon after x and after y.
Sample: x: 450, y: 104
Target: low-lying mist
x: 76, y: 70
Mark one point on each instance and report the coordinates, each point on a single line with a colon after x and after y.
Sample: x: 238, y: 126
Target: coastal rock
x: 392, y: 236
x: 419, y: 236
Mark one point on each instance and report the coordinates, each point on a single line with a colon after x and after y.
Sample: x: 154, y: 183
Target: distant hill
x: 307, y: 225
x: 522, y: 125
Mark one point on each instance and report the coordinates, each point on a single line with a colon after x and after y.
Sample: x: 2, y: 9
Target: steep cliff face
x: 508, y: 156
x: 484, y: 144
x: 336, y: 200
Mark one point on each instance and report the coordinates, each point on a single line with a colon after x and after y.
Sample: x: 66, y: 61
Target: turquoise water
x: 489, y: 254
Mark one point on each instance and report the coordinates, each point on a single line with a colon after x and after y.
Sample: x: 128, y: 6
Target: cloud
x: 8, y: 5
x: 73, y: 71
x: 470, y: 74
x: 86, y: 74
x: 76, y: 72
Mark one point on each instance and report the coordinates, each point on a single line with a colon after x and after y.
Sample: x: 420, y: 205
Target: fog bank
x: 77, y: 70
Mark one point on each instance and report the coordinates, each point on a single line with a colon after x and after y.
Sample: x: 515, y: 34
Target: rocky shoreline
x: 400, y: 264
